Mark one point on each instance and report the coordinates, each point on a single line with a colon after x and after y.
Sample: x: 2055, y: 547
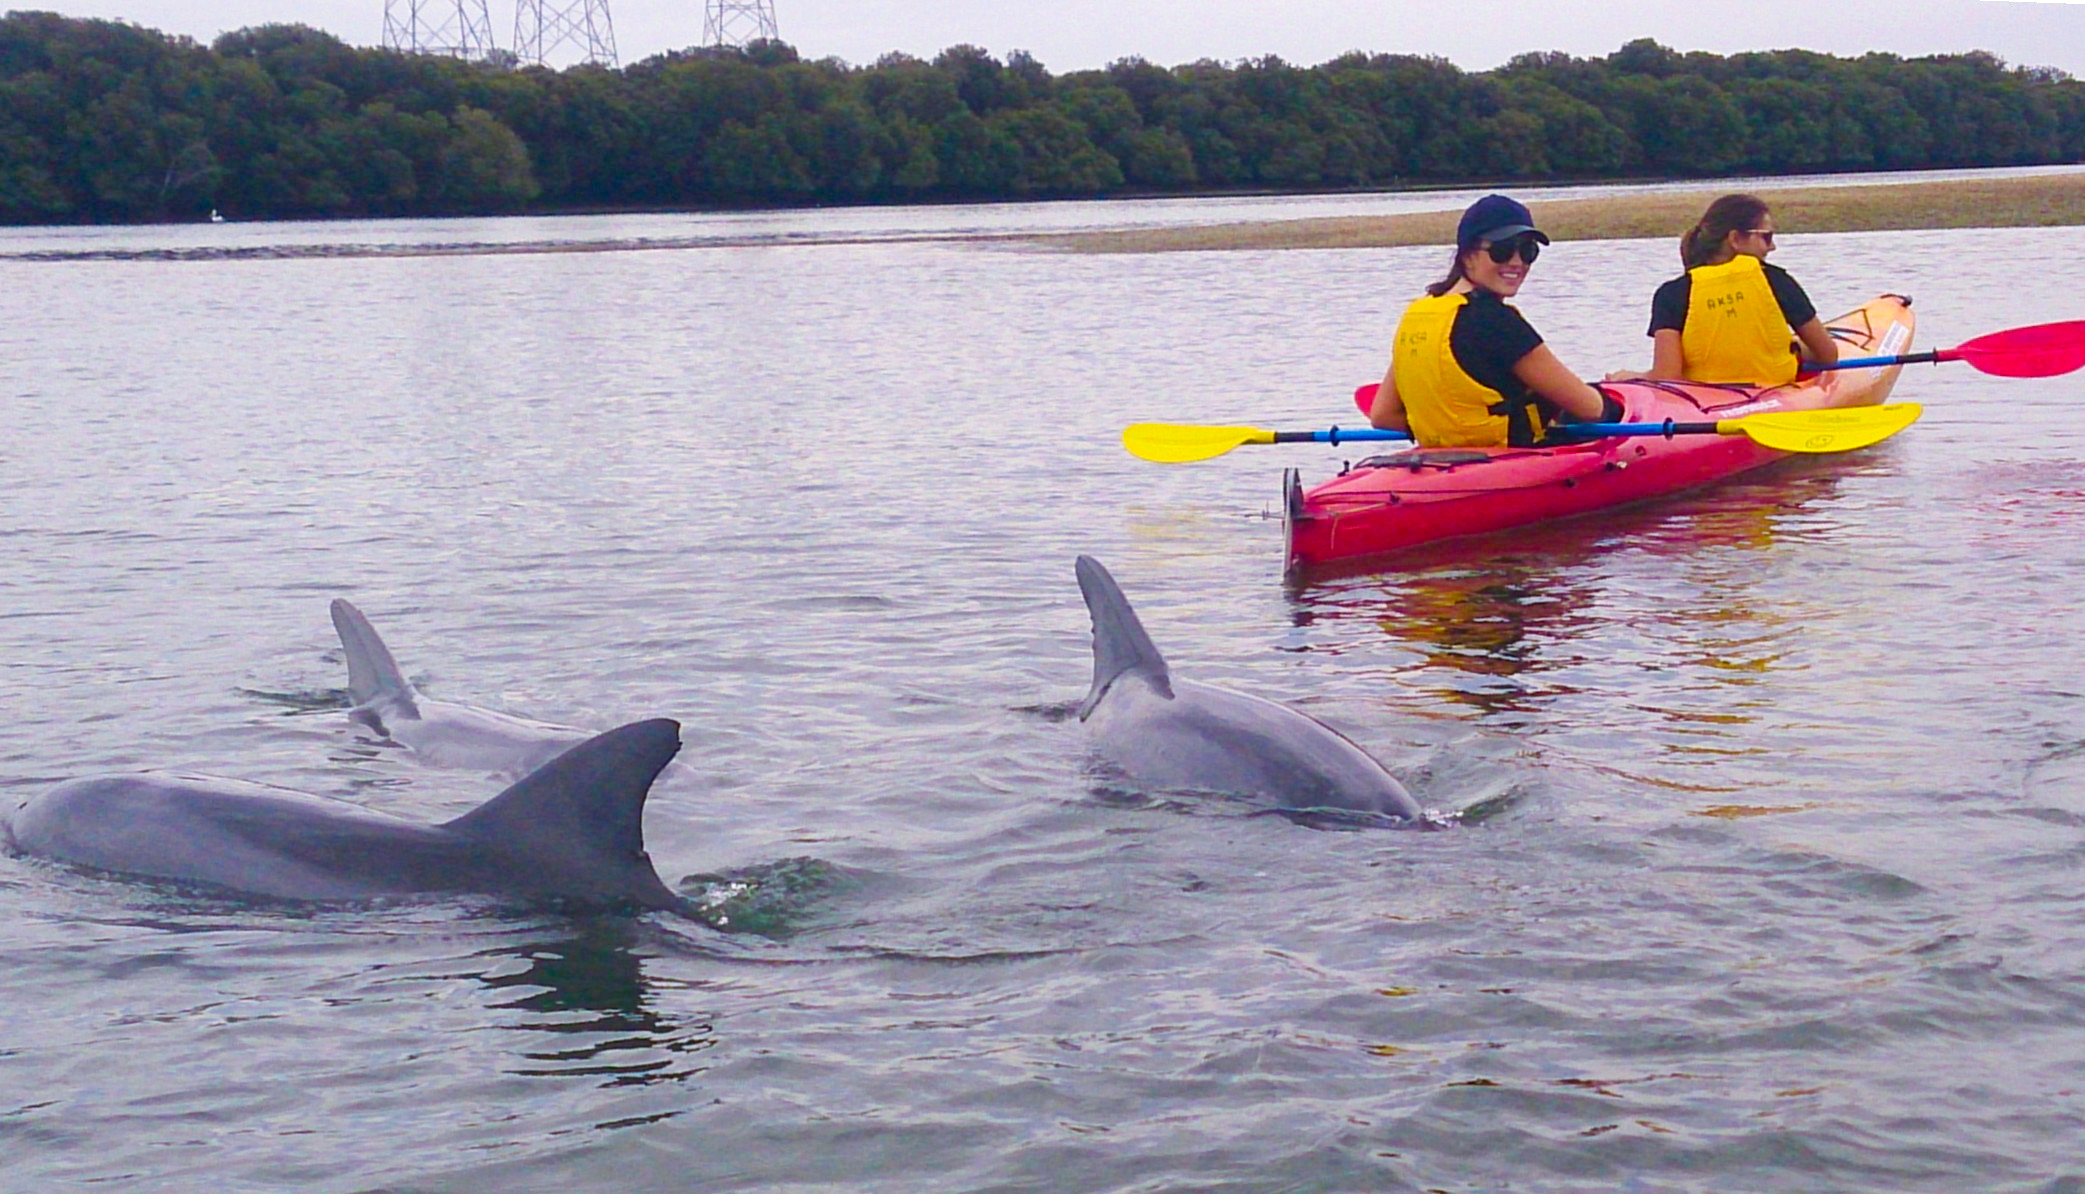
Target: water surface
x: 1777, y: 790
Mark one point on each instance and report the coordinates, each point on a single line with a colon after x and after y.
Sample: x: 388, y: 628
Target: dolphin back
x: 580, y: 817
x: 372, y: 673
x: 1120, y: 643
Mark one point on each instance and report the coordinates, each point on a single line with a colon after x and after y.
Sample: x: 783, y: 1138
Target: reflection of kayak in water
x: 1388, y: 503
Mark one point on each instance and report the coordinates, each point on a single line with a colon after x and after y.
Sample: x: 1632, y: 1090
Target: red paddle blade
x: 2043, y: 350
x: 1365, y: 397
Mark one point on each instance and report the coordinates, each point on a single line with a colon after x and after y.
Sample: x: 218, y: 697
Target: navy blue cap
x: 1494, y: 218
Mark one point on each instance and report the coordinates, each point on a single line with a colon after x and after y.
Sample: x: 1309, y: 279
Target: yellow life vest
x: 1444, y: 405
x: 1735, y: 331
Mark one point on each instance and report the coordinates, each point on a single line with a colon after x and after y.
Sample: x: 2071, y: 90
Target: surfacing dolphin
x: 1172, y: 733
x: 444, y: 733
x: 569, y: 832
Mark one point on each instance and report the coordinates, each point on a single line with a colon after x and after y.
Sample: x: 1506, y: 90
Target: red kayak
x: 1387, y: 503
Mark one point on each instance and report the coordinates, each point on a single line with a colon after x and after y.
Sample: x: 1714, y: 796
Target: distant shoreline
x: 2035, y: 201
x: 1657, y: 212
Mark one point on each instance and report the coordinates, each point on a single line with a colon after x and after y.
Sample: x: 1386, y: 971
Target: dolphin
x: 570, y: 832
x: 1172, y: 733
x: 445, y: 734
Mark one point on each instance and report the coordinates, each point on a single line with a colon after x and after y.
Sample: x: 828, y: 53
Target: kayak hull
x: 1386, y: 504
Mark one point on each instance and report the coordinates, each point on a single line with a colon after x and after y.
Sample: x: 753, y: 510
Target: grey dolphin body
x: 1173, y: 733
x: 570, y: 831
x: 443, y: 733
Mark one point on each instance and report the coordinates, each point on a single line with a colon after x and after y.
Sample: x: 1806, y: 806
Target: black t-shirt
x: 1488, y: 339
x: 1669, y: 305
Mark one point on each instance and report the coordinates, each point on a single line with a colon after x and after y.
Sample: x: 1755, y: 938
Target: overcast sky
x: 1069, y: 35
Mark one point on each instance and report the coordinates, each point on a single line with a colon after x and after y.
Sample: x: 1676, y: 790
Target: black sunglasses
x: 1765, y: 234
x: 1525, y: 244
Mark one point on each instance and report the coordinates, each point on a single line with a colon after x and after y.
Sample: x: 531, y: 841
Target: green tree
x: 756, y: 162
x: 1788, y: 125
x: 29, y: 185
x: 108, y: 121
x: 975, y: 158
x: 483, y: 165
x: 1685, y: 125
x: 909, y: 161
x: 847, y: 162
x: 1158, y: 158
x: 984, y: 85
x: 1054, y: 154
x: 910, y: 88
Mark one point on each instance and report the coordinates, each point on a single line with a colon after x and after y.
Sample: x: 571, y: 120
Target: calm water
x: 1776, y: 838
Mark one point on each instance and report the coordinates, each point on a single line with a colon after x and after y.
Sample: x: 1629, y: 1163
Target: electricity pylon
x: 736, y: 22
x: 458, y: 28
x: 543, y: 27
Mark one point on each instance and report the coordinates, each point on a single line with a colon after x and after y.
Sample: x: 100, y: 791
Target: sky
x: 1069, y: 35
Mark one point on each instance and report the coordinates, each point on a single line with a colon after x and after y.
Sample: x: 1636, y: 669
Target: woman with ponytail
x: 1466, y: 369
x: 1730, y: 317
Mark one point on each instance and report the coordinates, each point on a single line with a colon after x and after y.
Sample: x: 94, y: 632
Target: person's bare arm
x: 1667, y: 362
x: 1818, y: 346
x: 1388, y: 411
x: 1547, y: 376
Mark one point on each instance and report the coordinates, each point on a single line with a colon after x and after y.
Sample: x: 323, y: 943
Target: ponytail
x: 1731, y: 213
x: 1695, y: 246
x: 1456, y: 274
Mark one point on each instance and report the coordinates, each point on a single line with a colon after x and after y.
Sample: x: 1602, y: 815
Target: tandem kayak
x: 1388, y: 503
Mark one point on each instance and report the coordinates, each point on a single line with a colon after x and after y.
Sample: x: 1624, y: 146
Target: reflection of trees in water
x: 589, y: 988
x: 1499, y: 624
x: 1491, y: 616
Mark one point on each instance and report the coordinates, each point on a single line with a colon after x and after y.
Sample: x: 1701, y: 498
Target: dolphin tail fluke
x: 584, y: 812
x: 1119, y: 641
x: 372, y: 673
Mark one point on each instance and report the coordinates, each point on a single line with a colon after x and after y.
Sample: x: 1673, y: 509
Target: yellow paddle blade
x: 1178, y: 443
x: 1840, y: 430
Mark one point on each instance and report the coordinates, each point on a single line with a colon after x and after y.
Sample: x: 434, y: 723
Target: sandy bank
x: 2036, y: 201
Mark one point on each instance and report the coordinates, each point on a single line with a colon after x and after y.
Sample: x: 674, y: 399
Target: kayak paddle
x: 1840, y: 430
x: 1178, y: 443
x: 2044, y: 350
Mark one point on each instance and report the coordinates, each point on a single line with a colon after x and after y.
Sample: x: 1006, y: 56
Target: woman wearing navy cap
x: 1466, y: 369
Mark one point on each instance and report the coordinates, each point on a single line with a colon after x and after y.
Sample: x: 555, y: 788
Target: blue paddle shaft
x: 1337, y: 435
x: 1667, y: 428
x: 1915, y: 358
x: 1341, y: 435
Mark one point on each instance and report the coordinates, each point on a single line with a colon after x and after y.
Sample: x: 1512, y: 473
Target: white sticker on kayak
x: 1893, y: 343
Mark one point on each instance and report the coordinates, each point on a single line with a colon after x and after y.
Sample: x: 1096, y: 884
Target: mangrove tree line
x: 107, y: 121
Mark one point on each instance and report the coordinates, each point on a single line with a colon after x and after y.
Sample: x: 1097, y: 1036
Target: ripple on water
x: 1764, y: 870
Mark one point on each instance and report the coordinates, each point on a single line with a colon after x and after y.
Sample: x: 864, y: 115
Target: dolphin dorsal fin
x: 1119, y: 641
x: 372, y: 673
x: 586, y: 803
